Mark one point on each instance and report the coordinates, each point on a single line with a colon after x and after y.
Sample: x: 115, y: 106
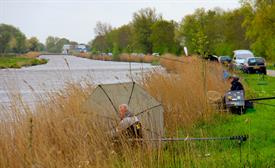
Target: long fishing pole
x: 241, y: 138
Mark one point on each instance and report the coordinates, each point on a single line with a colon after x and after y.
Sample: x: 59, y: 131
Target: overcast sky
x: 76, y: 19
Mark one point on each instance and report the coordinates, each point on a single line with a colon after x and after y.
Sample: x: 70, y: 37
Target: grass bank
x: 258, y: 123
x: 18, y: 61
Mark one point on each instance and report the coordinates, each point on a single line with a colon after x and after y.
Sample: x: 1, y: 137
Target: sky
x: 76, y: 19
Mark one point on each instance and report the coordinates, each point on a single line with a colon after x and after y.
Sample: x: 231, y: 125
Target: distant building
x: 81, y: 48
x: 68, y: 48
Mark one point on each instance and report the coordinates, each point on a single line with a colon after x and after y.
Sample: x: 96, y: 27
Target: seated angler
x: 129, y: 124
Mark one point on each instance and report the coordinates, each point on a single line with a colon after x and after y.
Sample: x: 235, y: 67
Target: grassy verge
x: 270, y: 65
x: 20, y: 61
x: 258, y: 123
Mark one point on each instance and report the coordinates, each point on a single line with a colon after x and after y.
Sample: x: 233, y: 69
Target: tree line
x: 204, y: 32
x: 12, y: 40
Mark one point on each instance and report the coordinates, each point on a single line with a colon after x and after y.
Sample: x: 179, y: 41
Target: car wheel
x: 264, y: 71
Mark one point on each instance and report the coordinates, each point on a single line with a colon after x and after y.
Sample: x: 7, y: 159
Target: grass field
x: 19, y: 61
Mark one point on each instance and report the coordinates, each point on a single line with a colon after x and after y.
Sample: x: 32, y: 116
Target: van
x: 240, y: 56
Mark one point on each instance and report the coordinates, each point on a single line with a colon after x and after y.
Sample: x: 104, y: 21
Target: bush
x: 15, y: 65
x: 35, y: 62
x: 43, y: 61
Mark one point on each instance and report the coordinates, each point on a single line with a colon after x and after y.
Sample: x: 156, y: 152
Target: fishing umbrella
x: 106, y: 98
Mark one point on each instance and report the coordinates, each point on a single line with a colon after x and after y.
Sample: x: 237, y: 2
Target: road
x: 59, y: 70
x: 271, y: 72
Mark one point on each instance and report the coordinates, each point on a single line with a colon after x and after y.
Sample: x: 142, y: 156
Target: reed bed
x: 132, y: 58
x: 31, y: 54
x: 184, y: 91
x: 59, y: 134
x: 124, y: 57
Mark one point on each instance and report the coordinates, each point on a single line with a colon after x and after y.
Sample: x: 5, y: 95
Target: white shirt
x: 127, y: 122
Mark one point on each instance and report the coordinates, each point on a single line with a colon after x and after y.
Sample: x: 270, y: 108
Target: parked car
x: 225, y: 59
x: 240, y: 56
x: 254, y: 65
x: 141, y: 55
x: 212, y: 58
x: 155, y: 54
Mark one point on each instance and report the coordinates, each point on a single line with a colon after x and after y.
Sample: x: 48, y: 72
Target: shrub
x: 43, y: 61
x: 35, y: 62
x: 15, y: 65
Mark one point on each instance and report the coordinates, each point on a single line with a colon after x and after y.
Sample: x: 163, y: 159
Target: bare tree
x: 102, y: 29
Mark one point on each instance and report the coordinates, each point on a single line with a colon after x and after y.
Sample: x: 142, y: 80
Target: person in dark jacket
x: 235, y: 84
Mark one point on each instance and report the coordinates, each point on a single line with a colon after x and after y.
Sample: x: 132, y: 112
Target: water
x: 60, y: 69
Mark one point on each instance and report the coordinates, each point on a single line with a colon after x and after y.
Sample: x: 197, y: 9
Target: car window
x: 244, y: 56
x: 252, y: 60
x: 260, y: 60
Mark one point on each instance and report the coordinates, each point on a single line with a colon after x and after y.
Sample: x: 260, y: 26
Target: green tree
x: 33, y: 44
x: 55, y: 44
x: 11, y: 39
x: 163, y: 37
x: 115, y: 52
x: 60, y: 43
x: 260, y: 23
x: 193, y: 33
x: 200, y: 41
x: 101, y: 42
x: 41, y: 47
x: 143, y: 21
x: 5, y: 38
x: 123, y: 38
x: 214, y: 31
x: 51, y: 44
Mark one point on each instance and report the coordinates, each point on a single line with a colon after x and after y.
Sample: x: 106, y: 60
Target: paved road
x: 50, y: 77
x: 271, y: 72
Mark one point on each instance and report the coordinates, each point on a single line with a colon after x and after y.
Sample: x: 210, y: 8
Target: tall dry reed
x: 32, y: 54
x: 58, y: 134
x: 184, y: 90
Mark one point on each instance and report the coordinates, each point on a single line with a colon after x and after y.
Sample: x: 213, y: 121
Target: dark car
x: 211, y: 57
x: 254, y: 65
x: 225, y: 59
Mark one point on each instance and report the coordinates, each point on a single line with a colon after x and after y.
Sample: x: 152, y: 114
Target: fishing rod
x: 241, y: 138
x: 262, y: 98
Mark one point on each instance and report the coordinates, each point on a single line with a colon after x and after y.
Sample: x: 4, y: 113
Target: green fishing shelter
x: 106, y: 98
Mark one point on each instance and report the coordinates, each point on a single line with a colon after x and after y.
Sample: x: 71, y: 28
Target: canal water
x: 28, y: 82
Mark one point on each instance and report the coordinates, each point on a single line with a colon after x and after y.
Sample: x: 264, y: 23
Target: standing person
x: 129, y: 124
